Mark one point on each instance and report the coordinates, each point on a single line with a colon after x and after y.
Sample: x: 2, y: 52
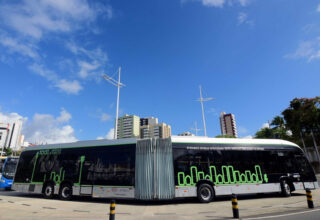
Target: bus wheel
x: 285, y: 188
x: 205, y: 193
x: 65, y: 192
x: 48, y: 191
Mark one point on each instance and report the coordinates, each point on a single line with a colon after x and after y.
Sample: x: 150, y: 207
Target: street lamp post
x: 118, y: 84
x: 201, y: 100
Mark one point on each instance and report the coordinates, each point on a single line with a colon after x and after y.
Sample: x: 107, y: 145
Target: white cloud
x: 105, y: 117
x: 109, y: 135
x: 90, y: 62
x: 248, y: 137
x: 64, y: 116
x: 43, y: 128
x: 70, y: 87
x: 265, y: 125
x: 214, y: 3
x: 25, y: 49
x: 28, y: 23
x: 34, y: 18
x: 42, y: 71
x: 87, y: 68
x: 318, y: 8
x: 220, y: 3
x: 11, y: 117
x: 309, y: 50
x: 243, y: 19
x: 244, y: 2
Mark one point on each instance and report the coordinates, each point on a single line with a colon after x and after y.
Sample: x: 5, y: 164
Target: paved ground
x: 15, y: 205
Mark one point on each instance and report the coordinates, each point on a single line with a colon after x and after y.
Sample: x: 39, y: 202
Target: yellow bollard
x: 235, y: 208
x: 309, y: 199
x: 112, y: 210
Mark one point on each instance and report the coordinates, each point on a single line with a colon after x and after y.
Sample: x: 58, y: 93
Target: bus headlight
x: 3, y: 181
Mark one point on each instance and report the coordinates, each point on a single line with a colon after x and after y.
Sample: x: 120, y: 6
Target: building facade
x: 128, y: 126
x: 10, y: 135
x: 133, y: 126
x: 228, y: 124
x: 161, y: 130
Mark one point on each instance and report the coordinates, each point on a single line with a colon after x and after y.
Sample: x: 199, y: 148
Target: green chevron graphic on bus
x: 56, y: 177
x: 228, y: 175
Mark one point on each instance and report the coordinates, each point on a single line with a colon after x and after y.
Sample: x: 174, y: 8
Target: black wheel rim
x: 48, y: 191
x: 65, y: 192
x: 205, y: 193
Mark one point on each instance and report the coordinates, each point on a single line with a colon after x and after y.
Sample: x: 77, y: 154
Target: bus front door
x: 86, y: 185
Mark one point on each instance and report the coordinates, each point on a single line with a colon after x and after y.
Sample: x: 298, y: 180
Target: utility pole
x: 196, y: 129
x: 119, y: 85
x: 201, y: 100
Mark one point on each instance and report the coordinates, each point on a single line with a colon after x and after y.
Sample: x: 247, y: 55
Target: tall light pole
x: 201, y: 100
x: 196, y: 129
x: 119, y: 85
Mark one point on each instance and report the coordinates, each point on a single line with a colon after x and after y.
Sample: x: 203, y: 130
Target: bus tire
x: 65, y: 191
x: 48, y: 191
x: 285, y: 188
x: 205, y: 193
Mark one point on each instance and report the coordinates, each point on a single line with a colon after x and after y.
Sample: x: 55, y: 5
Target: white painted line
x: 277, y: 216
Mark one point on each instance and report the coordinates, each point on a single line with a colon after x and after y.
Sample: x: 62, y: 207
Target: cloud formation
x: 309, y: 50
x: 44, y: 128
x: 26, y: 25
x: 243, y: 19
x: 34, y: 18
x: 68, y: 86
x: 221, y: 3
x: 109, y: 135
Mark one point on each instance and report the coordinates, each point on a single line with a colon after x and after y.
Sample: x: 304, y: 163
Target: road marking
x: 277, y: 216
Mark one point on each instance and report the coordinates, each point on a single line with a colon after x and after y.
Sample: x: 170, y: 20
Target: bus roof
x: 197, y: 139
x: 174, y: 139
x: 89, y: 143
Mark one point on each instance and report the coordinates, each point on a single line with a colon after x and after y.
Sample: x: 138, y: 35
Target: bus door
x: 306, y: 172
x: 86, y: 186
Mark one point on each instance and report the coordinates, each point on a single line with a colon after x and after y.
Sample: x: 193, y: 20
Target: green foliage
x: 299, y: 119
x: 8, y: 151
x: 225, y: 136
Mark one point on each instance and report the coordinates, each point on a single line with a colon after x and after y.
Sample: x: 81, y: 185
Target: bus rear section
x: 8, y: 171
x: 221, y: 167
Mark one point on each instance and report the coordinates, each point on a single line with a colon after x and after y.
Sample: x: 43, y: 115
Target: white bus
x: 163, y: 169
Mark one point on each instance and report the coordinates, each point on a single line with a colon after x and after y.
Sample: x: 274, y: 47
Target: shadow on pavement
x: 144, y: 203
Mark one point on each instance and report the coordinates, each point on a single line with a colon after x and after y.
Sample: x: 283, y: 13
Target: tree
x: 265, y: 133
x: 8, y: 151
x: 225, y: 136
x: 278, y: 122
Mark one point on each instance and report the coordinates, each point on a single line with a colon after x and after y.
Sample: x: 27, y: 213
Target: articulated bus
x: 8, y: 169
x: 164, y: 169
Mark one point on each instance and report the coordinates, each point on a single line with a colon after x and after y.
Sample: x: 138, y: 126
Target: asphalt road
x: 269, y: 206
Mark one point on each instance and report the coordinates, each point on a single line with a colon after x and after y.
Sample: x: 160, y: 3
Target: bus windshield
x: 9, y: 169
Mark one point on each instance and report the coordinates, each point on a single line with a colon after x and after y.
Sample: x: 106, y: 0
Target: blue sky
x: 252, y: 56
